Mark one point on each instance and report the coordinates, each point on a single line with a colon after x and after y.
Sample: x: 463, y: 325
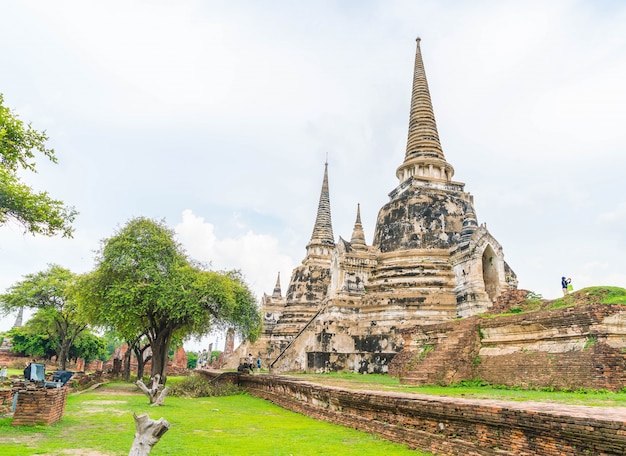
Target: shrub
x: 197, y: 386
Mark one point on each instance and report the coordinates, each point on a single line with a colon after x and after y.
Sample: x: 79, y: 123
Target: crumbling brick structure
x: 39, y: 405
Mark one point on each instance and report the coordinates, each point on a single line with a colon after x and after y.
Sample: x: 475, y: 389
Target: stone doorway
x: 490, y: 273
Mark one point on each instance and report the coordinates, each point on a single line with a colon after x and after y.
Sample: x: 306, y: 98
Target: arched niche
x: 490, y: 272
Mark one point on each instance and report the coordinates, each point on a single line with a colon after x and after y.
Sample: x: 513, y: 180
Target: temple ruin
x: 430, y: 261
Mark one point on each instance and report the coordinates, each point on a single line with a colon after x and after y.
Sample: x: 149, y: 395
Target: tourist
x: 3, y: 373
x: 570, y: 287
x: 251, y: 363
x: 258, y: 364
x: 565, y: 284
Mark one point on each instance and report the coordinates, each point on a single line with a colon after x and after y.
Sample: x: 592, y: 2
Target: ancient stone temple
x: 430, y: 261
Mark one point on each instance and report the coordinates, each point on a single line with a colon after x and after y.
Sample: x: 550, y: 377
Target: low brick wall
x: 39, y: 406
x: 453, y: 426
x: 568, y: 348
x: 574, y: 347
x: 6, y: 398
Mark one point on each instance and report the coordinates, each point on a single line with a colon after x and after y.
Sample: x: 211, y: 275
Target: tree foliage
x: 144, y: 284
x: 89, y: 347
x: 31, y: 343
x: 57, y: 314
x: 37, y: 212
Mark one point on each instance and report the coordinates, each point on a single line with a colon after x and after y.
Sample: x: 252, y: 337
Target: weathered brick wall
x: 453, y: 426
x: 598, y: 367
x: 573, y: 347
x: 442, y: 353
x: 39, y: 406
x: 6, y: 398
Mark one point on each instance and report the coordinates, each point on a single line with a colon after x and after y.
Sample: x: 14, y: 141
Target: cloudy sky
x: 218, y: 116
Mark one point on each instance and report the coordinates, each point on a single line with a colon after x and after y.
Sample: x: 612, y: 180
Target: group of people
x: 566, y: 284
x: 251, y: 363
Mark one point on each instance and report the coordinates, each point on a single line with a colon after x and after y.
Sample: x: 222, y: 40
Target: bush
x: 197, y: 386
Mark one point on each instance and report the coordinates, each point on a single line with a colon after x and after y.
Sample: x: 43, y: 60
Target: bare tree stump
x: 148, y: 433
x: 154, y: 393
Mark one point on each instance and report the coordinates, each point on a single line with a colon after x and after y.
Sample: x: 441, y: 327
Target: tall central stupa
x: 430, y: 261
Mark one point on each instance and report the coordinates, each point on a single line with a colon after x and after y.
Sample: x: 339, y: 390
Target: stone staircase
x: 442, y: 358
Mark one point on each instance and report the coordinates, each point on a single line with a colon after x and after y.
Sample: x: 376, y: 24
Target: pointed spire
x: 424, y: 156
x: 423, y: 136
x: 277, y: 293
x: 19, y: 318
x: 358, y: 237
x: 470, y: 223
x: 323, y: 229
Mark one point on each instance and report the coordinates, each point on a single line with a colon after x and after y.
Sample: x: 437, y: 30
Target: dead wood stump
x: 154, y: 393
x: 148, y: 433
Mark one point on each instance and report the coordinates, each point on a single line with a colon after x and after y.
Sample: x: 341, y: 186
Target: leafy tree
x: 192, y: 360
x: 31, y: 343
x: 145, y: 284
x: 37, y: 212
x: 88, y: 346
x: 57, y: 314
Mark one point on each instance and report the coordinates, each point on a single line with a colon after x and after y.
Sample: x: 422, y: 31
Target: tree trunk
x: 64, y: 353
x: 141, y: 361
x: 160, y: 347
x: 148, y: 433
x: 126, y: 372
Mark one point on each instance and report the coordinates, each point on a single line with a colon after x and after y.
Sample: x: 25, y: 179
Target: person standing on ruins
x: 564, y: 284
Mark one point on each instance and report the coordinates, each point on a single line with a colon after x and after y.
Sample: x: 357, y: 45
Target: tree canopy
x: 31, y: 343
x: 57, y: 316
x: 144, y: 284
x: 37, y: 212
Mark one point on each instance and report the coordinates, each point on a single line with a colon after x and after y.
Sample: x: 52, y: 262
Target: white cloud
x: 258, y: 256
x: 229, y: 108
x: 616, y: 215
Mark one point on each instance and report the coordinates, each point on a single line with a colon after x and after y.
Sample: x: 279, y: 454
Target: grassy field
x: 100, y: 423
x: 474, y: 390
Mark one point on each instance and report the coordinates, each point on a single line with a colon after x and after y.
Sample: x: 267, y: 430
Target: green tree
x: 192, y: 360
x: 145, y: 284
x: 57, y: 314
x: 31, y: 343
x: 88, y: 346
x: 36, y: 211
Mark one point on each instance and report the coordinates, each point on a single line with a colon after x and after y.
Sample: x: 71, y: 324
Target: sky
x: 218, y: 117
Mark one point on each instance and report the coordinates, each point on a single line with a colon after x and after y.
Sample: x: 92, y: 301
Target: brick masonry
x: 39, y: 406
x: 453, y: 426
x: 6, y: 398
x: 568, y: 348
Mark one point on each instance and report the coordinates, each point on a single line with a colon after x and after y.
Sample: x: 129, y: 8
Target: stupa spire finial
x: 277, y: 293
x: 323, y: 229
x: 358, y: 236
x: 424, y: 156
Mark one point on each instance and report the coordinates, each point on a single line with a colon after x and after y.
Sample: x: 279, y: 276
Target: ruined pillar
x: 229, y: 346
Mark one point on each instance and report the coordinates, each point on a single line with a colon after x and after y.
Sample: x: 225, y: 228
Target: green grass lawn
x: 101, y: 421
x: 473, y: 390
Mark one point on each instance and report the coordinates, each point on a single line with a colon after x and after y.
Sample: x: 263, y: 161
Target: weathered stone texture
x: 6, y: 397
x: 454, y: 426
x: 569, y: 348
x: 39, y: 406
x: 429, y: 262
x: 420, y: 220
